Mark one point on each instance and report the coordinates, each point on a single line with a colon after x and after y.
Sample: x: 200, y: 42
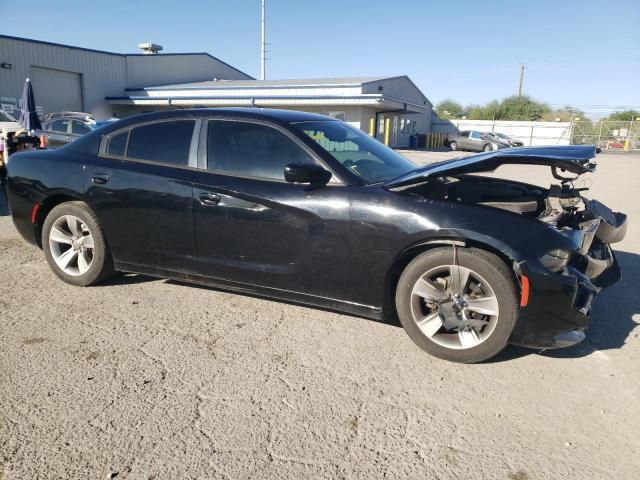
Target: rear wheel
x: 74, y: 245
x: 453, y: 146
x: 458, y: 306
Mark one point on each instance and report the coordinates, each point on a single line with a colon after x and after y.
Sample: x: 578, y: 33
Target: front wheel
x: 459, y: 305
x: 488, y: 148
x: 75, y: 246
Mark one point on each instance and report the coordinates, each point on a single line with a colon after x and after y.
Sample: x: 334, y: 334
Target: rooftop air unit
x: 149, y: 48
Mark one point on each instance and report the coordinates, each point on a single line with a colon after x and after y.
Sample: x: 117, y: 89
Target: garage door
x: 57, y: 90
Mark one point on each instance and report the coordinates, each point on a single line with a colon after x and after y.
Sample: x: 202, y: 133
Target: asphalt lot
x: 144, y: 378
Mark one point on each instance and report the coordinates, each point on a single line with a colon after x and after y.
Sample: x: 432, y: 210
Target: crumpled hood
x: 576, y: 159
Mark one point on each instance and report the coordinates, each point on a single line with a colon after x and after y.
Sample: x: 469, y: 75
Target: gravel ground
x: 144, y: 378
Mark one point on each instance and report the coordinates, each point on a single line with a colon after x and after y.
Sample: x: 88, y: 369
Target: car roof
x: 283, y: 116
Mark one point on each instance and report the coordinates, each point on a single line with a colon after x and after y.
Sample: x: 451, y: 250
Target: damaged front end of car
x: 558, y: 285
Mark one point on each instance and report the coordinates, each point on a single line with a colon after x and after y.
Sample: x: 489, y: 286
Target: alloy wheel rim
x: 71, y: 245
x: 454, y: 307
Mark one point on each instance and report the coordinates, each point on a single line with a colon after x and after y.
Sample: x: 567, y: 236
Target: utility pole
x: 521, y: 79
x: 263, y: 44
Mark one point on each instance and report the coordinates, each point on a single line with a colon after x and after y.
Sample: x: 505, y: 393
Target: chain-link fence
x: 607, y: 134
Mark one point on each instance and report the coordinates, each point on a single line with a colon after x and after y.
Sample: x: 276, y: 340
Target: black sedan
x: 308, y: 209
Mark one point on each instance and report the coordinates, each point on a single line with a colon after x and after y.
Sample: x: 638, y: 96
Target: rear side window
x: 251, y: 150
x: 118, y: 144
x: 166, y: 142
x: 464, y: 133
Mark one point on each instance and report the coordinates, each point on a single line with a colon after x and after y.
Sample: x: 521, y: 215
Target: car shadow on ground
x: 611, y: 322
x: 612, y: 319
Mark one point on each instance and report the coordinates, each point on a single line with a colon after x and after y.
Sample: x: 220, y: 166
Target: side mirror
x: 309, y: 173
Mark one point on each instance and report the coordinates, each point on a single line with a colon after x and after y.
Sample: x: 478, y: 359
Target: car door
x: 57, y: 132
x: 253, y: 227
x: 140, y: 188
x: 475, y: 141
x: 463, y: 140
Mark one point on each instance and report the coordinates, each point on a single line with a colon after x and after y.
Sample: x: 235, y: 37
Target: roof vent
x: 149, y: 48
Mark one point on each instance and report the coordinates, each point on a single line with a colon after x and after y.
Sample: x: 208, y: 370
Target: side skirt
x: 298, y: 298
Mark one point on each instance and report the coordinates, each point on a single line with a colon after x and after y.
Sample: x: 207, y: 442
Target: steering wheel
x: 348, y: 163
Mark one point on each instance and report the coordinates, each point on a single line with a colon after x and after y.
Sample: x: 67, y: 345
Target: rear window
x: 166, y: 142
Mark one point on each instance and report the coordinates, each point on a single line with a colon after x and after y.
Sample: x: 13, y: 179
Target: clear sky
x: 578, y: 52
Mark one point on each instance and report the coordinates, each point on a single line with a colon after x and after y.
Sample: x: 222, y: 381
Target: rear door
x: 140, y: 188
x: 253, y: 227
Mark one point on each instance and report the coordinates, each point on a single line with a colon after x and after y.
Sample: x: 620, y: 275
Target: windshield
x: 355, y: 150
x: 500, y: 135
x: 5, y: 117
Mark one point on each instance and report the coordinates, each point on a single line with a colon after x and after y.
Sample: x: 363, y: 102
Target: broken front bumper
x: 559, y: 304
x: 559, y: 307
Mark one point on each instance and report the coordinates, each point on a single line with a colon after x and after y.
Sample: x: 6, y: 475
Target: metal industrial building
x: 75, y: 79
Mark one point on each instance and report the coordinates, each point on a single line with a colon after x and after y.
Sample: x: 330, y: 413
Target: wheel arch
x: 48, y: 204
x: 489, y: 244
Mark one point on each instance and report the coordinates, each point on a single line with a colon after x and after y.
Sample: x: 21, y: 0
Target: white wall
x: 530, y: 133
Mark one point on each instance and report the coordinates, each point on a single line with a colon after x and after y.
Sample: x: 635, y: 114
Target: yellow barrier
x: 371, y: 125
x: 435, y: 140
x: 386, y: 132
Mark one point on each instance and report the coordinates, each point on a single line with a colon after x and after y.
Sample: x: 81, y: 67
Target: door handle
x: 210, y: 199
x: 100, y: 179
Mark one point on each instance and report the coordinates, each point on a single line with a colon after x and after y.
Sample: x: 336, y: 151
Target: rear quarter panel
x: 33, y: 177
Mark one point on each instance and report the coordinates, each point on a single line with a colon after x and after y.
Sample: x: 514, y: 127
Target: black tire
x: 491, y: 268
x: 453, y: 146
x: 101, y: 267
x: 487, y: 148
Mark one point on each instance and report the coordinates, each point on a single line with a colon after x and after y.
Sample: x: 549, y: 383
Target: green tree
x: 449, y: 109
x: 625, y: 116
x: 521, y: 108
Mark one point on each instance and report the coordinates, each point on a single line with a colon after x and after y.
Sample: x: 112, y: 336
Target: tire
x: 71, y: 235
x: 492, y: 290
x: 453, y: 146
x: 488, y: 148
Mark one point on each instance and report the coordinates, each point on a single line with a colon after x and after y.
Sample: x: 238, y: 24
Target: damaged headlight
x: 555, y: 260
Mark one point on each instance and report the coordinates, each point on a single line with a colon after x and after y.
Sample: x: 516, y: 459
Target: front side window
x: 61, y: 126
x: 475, y: 135
x: 251, y: 150
x: 357, y: 151
x: 79, y: 128
x: 165, y: 142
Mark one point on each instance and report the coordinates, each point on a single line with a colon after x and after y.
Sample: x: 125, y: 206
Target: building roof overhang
x: 379, y: 102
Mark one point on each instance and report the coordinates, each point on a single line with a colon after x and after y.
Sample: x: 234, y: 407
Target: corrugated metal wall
x: 168, y: 69
x: 101, y: 73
